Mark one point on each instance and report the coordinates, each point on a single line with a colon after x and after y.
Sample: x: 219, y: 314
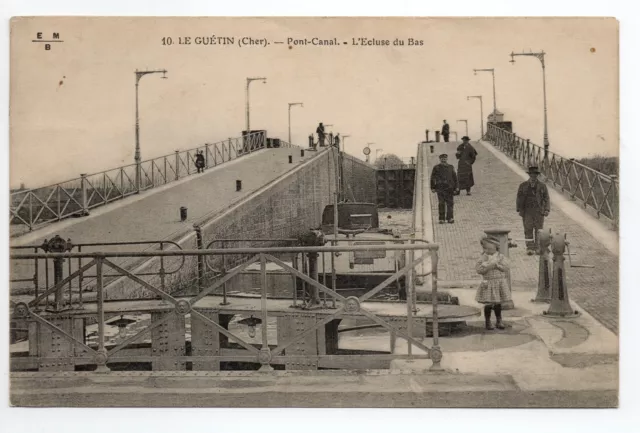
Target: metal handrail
x: 38, y: 206
x: 180, y: 307
x: 596, y: 190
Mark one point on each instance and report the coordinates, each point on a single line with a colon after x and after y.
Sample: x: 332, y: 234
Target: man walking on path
x: 444, y: 182
x: 533, y: 204
x: 466, y: 155
x: 445, y: 131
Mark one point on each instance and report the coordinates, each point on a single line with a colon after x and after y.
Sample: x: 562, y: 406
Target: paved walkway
x: 492, y: 205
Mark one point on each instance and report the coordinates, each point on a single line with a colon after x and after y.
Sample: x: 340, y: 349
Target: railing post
x: 409, y: 290
x: 206, y: 155
x: 615, y: 201
x: 200, y: 246
x: 265, y: 354
x: 30, y: 210
x: 122, y: 192
x: 83, y: 187
x: 165, y: 170
x: 101, y: 358
x: 224, y: 272
x: 177, y: 165
x: 435, y: 353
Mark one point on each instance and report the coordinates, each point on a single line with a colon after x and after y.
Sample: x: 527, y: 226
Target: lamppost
x: 539, y: 56
x: 139, y: 75
x: 466, y: 125
x: 493, y: 74
x: 481, y: 115
x: 249, y: 80
x: 292, y: 104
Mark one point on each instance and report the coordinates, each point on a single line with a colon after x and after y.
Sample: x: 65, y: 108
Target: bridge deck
x: 154, y: 214
x: 491, y: 205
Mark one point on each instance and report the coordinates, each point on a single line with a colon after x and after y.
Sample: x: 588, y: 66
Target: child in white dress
x: 494, y: 289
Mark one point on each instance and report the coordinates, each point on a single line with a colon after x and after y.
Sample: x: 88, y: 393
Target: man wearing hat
x: 445, y: 131
x: 444, y: 182
x: 466, y: 155
x: 533, y: 204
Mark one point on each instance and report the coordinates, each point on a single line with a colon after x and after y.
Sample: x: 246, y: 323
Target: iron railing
x: 595, y: 190
x: 42, y: 269
x: 172, y: 309
x: 31, y: 208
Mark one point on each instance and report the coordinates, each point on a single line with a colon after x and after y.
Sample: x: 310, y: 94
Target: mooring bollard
x: 183, y: 213
x: 238, y: 185
x: 503, y: 236
x: 560, y: 305
x: 431, y: 148
x: 544, y: 275
x: 302, y: 153
x: 290, y: 159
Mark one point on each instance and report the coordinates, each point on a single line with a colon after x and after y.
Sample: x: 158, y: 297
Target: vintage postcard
x: 314, y: 212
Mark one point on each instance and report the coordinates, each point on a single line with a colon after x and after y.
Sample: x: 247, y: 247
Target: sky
x: 73, y: 107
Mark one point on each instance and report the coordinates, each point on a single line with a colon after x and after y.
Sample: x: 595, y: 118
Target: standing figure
x: 533, y: 204
x: 466, y: 155
x: 200, y: 161
x: 320, y: 132
x: 494, y: 288
x: 445, y: 131
x: 444, y: 182
x: 336, y: 141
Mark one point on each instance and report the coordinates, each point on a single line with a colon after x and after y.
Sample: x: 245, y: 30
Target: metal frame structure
x: 35, y: 207
x: 66, y: 346
x: 596, y: 191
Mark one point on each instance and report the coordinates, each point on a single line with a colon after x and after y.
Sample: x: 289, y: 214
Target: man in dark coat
x: 533, y: 204
x: 320, y: 132
x: 466, y: 155
x: 200, y: 162
x: 444, y: 182
x: 445, y: 131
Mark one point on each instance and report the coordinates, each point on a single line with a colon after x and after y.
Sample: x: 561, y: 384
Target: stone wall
x: 359, y: 179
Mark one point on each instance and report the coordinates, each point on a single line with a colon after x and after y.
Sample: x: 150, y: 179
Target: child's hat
x: 490, y: 240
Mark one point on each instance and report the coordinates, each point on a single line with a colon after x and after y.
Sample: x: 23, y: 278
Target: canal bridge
x: 132, y: 250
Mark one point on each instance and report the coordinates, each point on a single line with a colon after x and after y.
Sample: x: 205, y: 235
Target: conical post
x: 560, y: 305
x: 544, y: 275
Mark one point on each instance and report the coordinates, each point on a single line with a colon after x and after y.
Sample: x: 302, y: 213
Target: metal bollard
x: 560, y: 305
x: 302, y: 153
x: 238, y: 185
x: 503, y: 236
x: 431, y: 148
x: 290, y: 159
x: 183, y: 213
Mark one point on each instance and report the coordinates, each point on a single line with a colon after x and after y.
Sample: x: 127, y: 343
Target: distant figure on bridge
x: 445, y: 131
x: 336, y: 141
x: 320, y: 132
x: 466, y: 155
x: 494, y: 288
x: 533, y: 204
x: 200, y: 161
x: 444, y: 182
